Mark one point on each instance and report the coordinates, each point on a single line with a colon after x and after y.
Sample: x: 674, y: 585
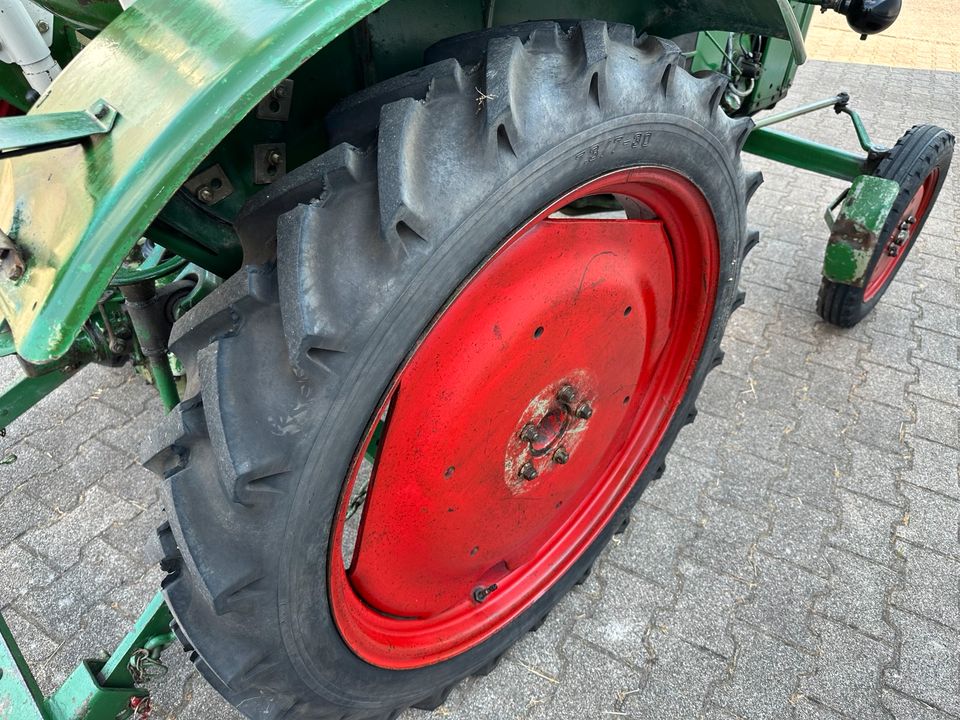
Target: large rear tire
x: 432, y: 261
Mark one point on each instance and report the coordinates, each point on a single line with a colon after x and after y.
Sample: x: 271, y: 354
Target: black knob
x: 869, y: 17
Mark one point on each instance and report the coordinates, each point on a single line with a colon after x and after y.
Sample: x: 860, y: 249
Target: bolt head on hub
x: 528, y: 433
x: 561, y: 456
x: 567, y: 394
x: 584, y: 412
x: 528, y: 471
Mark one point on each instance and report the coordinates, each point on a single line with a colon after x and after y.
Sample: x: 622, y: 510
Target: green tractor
x: 428, y: 290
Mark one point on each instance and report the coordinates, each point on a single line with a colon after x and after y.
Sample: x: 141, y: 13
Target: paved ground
x: 926, y: 35
x: 800, y: 558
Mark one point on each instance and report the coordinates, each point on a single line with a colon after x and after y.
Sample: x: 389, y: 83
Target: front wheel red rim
x: 896, y: 246
x: 520, y: 422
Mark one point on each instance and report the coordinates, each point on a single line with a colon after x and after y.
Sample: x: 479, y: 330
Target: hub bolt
x: 480, y: 594
x: 567, y: 394
x: 584, y: 412
x: 528, y: 471
x: 528, y: 433
x: 561, y: 456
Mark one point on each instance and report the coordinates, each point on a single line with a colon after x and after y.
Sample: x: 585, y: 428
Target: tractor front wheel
x: 918, y: 163
x: 411, y: 433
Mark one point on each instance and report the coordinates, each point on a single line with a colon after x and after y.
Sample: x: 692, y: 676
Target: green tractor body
x: 122, y: 182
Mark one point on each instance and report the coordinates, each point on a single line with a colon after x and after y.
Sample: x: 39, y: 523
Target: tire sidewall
x: 322, y: 659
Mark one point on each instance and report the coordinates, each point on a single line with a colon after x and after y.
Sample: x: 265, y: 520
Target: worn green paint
x: 180, y: 75
x: 37, y: 131
x: 20, y: 696
x: 27, y: 392
x: 805, y: 154
x: 856, y: 230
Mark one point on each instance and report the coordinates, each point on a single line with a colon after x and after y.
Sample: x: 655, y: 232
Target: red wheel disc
x: 522, y: 419
x: 903, y: 234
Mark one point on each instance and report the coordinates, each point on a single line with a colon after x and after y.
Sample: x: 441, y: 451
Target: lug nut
x: 561, y: 456
x: 528, y: 433
x: 567, y: 394
x: 528, y: 471
x: 584, y: 412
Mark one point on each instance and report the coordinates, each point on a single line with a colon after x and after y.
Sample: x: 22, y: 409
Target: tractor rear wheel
x: 918, y: 163
x: 411, y: 433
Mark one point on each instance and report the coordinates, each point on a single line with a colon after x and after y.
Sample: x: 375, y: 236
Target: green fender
x: 181, y: 75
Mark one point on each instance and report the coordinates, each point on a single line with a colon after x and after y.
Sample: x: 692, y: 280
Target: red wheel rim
x: 902, y: 236
x: 456, y: 538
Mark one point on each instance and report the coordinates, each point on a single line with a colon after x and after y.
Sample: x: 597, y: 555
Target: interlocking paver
x: 798, y: 559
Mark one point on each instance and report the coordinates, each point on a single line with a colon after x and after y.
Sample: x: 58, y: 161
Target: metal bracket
x: 855, y: 232
x: 269, y: 162
x: 276, y: 105
x: 210, y: 186
x: 43, y: 131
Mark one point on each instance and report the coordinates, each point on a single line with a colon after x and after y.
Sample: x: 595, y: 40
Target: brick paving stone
x: 677, y: 490
x: 904, y: 707
x: 939, y: 349
x: 653, y: 541
x: 622, y: 614
x: 745, y: 481
x: 680, y: 680
x: 848, y: 669
x: 797, y: 534
x: 929, y: 662
x: 933, y: 521
x: 608, y: 679
x: 727, y: 542
x: 781, y: 599
x: 811, y: 476
x: 935, y: 467
x: 62, y: 540
x: 701, y: 612
x: 858, y: 594
x: 22, y: 572
x: 872, y: 472
x: 764, y: 676
x: 865, y: 527
x: 931, y: 587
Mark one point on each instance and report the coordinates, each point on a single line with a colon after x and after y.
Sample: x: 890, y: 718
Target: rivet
x: 274, y: 158
x: 42, y: 26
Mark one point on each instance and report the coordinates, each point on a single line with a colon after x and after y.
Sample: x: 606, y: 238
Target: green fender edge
x: 181, y: 76
x: 856, y: 230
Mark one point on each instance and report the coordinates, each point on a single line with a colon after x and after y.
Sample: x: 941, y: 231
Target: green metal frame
x: 96, y: 689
